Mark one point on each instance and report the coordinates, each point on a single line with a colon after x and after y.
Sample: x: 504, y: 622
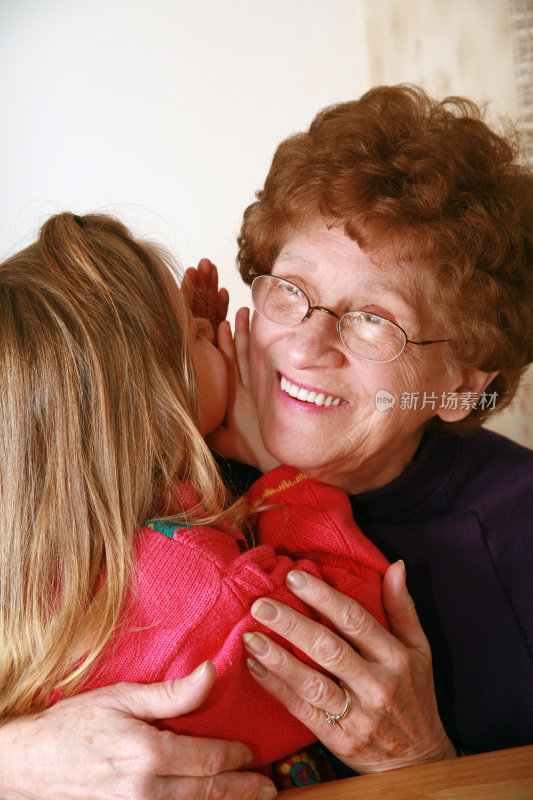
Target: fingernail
x: 267, y: 793
x: 296, y: 579
x: 256, y: 668
x: 263, y: 610
x: 255, y: 643
x: 197, y: 674
x: 402, y: 562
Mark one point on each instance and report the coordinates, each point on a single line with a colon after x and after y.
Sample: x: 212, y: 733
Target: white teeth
x: 308, y: 396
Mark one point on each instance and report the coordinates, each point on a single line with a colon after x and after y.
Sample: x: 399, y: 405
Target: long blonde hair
x: 98, y: 413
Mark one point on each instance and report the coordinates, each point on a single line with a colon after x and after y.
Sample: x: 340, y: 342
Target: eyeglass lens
x: 365, y: 335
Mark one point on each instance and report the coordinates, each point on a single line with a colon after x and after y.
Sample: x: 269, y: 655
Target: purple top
x: 461, y: 517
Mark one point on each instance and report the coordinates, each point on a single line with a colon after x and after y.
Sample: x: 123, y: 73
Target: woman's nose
x: 315, y: 342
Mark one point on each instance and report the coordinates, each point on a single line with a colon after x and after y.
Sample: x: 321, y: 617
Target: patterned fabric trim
x: 303, y: 768
x: 285, y: 484
x: 165, y: 527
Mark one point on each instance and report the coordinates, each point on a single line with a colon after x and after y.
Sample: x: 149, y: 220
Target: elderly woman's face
x: 355, y: 440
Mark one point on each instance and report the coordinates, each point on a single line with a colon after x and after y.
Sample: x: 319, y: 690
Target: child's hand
x: 240, y: 438
x: 200, y: 286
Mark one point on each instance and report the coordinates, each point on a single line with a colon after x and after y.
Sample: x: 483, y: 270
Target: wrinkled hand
x: 393, y: 720
x: 98, y: 746
x: 240, y: 438
x: 200, y: 286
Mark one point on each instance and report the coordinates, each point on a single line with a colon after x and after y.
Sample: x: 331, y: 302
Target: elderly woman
x: 390, y: 255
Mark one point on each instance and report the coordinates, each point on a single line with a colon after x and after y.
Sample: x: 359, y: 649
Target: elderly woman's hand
x: 98, y: 746
x: 240, y: 437
x: 393, y: 719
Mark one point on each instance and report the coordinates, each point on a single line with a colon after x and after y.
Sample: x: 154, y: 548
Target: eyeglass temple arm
x: 427, y: 341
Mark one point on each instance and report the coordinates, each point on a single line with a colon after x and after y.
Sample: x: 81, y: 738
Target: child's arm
x: 240, y: 437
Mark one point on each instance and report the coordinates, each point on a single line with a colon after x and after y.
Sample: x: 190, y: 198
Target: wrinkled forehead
x: 388, y: 269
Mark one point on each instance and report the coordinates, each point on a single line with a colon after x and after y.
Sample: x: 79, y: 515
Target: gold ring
x: 333, y: 718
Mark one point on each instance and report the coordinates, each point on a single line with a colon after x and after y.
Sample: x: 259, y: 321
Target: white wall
x: 165, y: 112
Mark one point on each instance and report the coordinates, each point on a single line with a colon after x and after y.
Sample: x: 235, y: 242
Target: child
x: 120, y: 557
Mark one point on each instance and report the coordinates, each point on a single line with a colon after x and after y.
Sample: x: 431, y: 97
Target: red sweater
x: 193, y: 594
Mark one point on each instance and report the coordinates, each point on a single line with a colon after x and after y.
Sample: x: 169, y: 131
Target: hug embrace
x: 346, y: 588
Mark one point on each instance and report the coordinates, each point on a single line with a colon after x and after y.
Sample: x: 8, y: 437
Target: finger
x: 203, y: 278
x: 189, y: 284
x: 318, y: 642
x: 342, y: 738
x: 300, y: 684
x: 208, y: 273
x: 229, y: 786
x: 158, y: 700
x: 226, y: 346
x: 310, y: 715
x: 208, y: 277
x: 194, y: 756
x: 242, y: 344
x: 349, y: 618
x: 401, y: 611
x: 217, y: 299
x: 226, y: 343
x: 222, y: 303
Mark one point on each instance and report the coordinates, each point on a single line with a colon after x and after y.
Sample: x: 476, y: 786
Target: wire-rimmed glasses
x: 364, y: 334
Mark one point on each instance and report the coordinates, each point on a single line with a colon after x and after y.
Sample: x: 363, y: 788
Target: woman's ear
x: 473, y: 383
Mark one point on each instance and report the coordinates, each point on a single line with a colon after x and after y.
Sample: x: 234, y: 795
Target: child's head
x: 99, y: 414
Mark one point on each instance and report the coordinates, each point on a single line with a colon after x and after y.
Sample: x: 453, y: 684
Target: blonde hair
x: 98, y: 416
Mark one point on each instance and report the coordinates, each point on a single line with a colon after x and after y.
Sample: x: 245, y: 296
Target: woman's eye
x: 373, y: 319
x: 290, y: 290
x: 366, y: 323
x: 364, y: 318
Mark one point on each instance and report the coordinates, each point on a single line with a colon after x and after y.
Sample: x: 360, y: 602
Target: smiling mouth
x: 309, y: 395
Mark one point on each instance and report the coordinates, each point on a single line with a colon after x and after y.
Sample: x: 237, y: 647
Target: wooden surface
x: 502, y: 775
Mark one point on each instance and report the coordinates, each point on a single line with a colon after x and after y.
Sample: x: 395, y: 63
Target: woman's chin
x: 295, y: 453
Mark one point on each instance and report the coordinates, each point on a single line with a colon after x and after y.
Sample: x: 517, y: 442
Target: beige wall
x: 447, y: 46
x: 460, y: 47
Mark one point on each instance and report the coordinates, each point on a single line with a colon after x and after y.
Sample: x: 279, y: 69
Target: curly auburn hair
x: 432, y: 180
